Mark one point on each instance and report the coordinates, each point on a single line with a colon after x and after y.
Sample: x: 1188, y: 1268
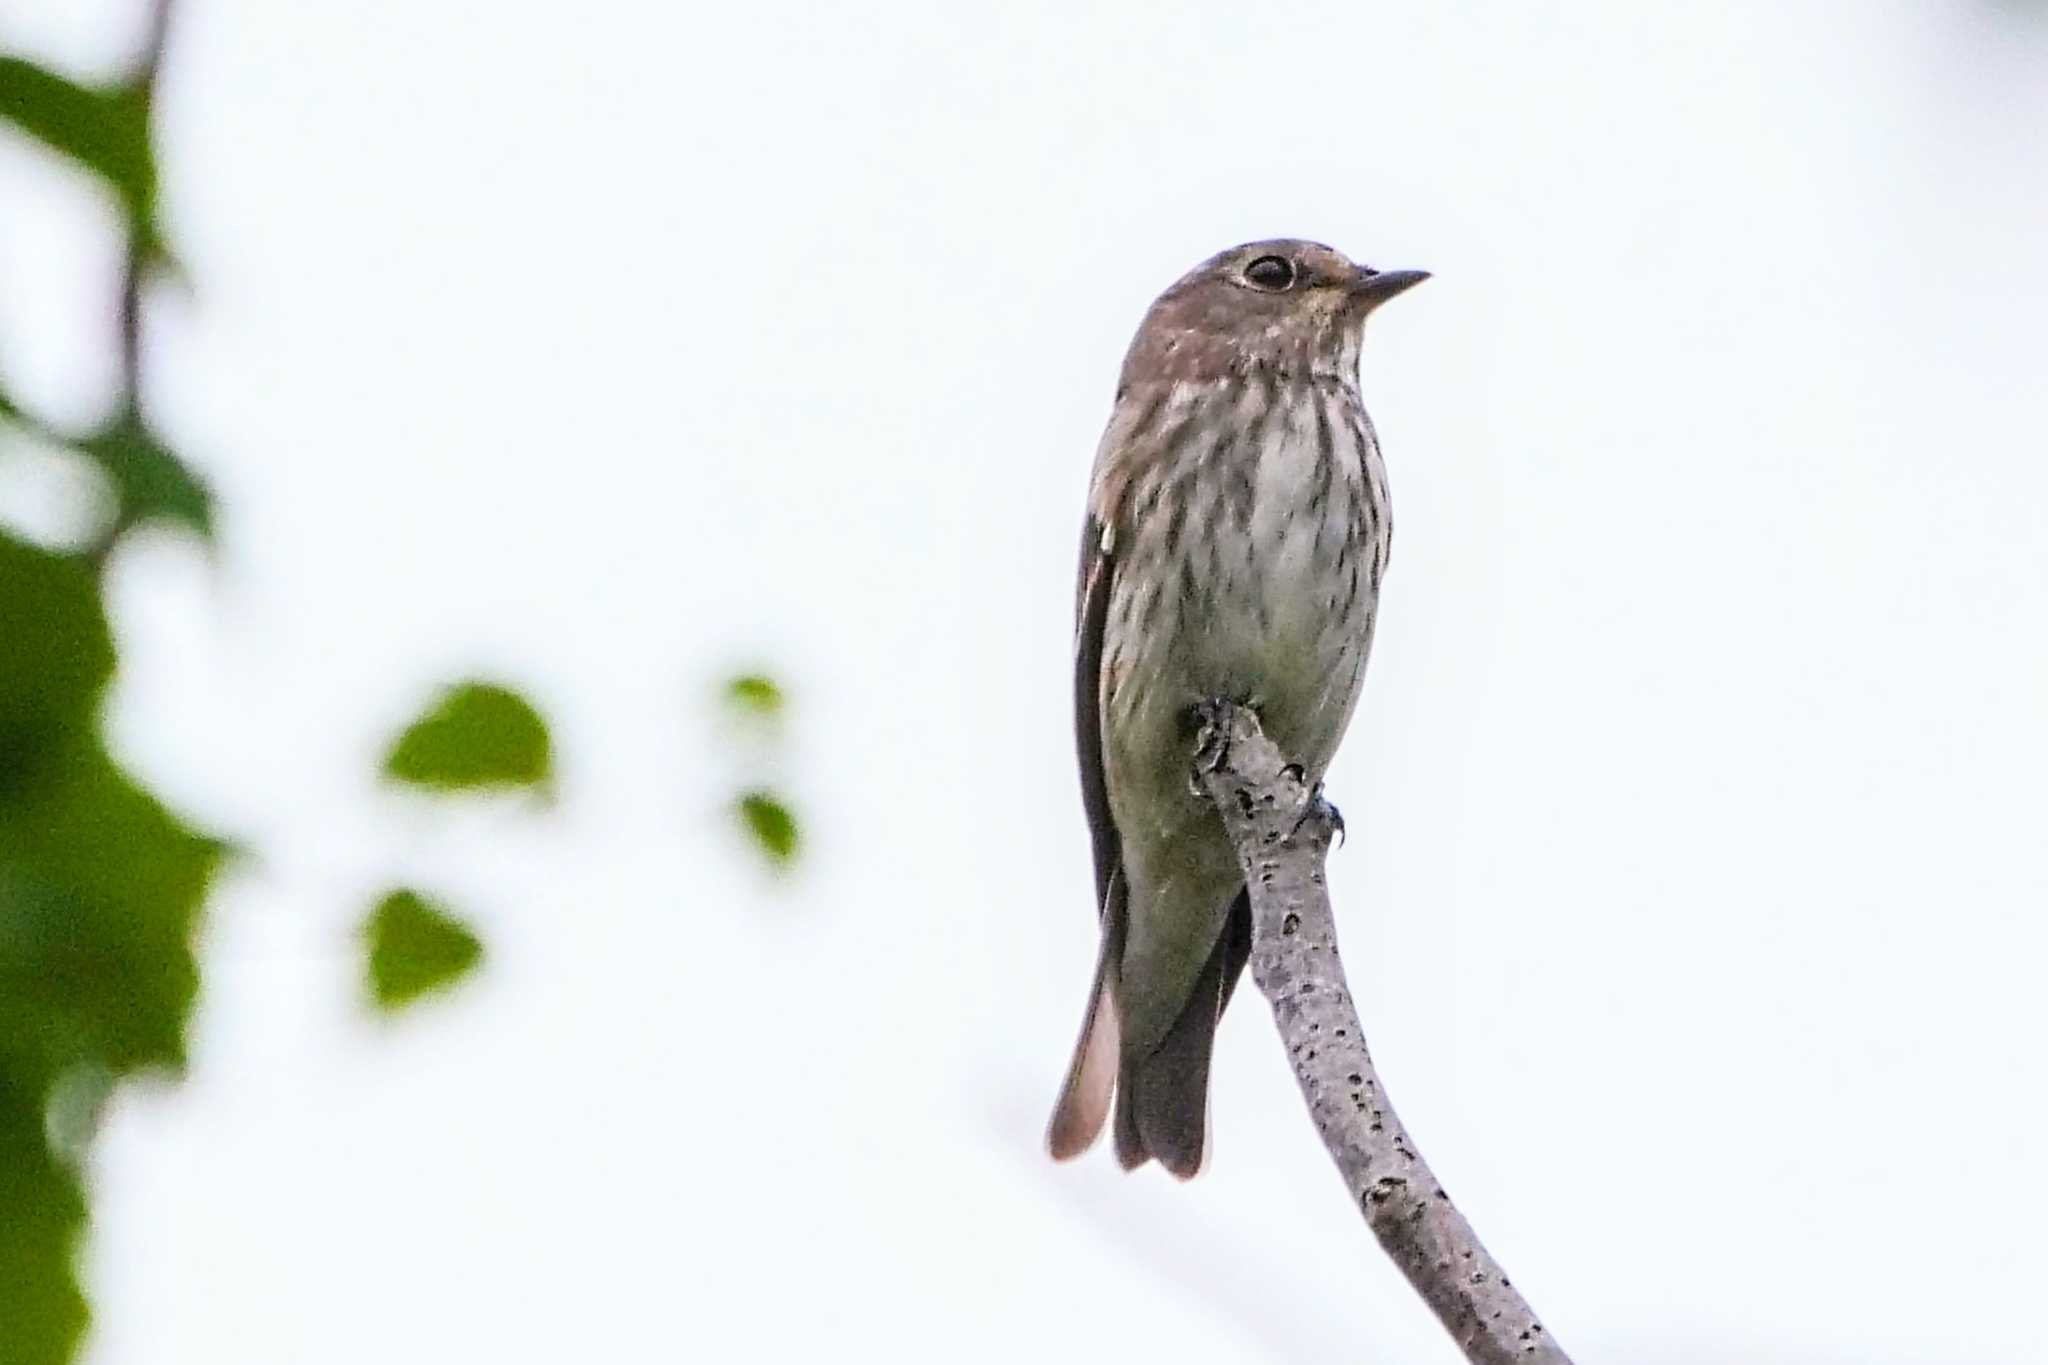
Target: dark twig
x: 143, y: 246
x: 1281, y: 830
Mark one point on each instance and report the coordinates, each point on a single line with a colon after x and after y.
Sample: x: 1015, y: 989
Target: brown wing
x: 1091, y: 613
x: 1085, y: 1096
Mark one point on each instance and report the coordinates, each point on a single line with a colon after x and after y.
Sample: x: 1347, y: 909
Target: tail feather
x: 1162, y: 1108
x: 1091, y: 1080
x: 1163, y: 1099
x: 1085, y: 1095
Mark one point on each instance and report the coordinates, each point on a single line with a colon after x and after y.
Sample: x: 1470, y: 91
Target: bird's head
x: 1282, y: 306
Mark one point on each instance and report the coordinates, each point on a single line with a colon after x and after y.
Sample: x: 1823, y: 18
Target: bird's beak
x: 1374, y: 287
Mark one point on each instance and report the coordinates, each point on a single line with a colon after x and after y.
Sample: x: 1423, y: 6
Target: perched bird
x: 1236, y: 533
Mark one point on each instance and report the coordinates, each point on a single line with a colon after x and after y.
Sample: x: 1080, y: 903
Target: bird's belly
x: 1286, y: 623
x: 1285, y: 648
x: 1273, y: 622
x: 1255, y: 583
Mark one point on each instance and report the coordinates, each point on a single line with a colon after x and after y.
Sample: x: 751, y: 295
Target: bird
x: 1236, y: 534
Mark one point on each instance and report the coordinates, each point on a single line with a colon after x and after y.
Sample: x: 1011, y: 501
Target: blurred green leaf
x: 42, y: 1214
x: 101, y: 886
x: 100, y: 894
x: 773, y: 828
x: 475, y: 735
x: 71, y: 1119
x: 105, y: 129
x: 56, y: 656
x: 755, y: 693
x: 416, y: 946
x: 151, y: 482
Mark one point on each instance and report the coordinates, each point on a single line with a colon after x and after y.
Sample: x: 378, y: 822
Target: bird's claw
x: 1213, y: 721
x: 1322, y: 807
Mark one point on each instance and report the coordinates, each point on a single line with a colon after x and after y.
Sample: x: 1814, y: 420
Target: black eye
x: 1270, y: 272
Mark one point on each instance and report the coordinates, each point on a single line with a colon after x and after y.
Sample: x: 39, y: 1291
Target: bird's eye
x: 1270, y: 272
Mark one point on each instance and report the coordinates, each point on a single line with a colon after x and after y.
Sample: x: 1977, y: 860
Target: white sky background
x: 1696, y: 877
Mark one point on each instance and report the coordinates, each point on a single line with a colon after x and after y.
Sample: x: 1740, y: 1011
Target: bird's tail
x: 1084, y: 1099
x: 1162, y: 1099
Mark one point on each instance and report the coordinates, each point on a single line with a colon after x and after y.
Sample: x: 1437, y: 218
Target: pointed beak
x: 1374, y: 287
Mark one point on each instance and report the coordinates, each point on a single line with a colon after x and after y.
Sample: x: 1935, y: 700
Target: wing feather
x: 1091, y: 616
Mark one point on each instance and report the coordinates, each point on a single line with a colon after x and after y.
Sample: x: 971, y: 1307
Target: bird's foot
x: 1322, y: 807
x: 1212, y: 724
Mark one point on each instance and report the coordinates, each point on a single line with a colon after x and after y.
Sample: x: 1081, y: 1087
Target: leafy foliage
x: 152, y: 482
x: 42, y: 1208
x: 772, y: 826
x: 416, y: 947
x: 100, y: 891
x: 103, y: 129
x: 100, y: 884
x: 756, y: 694
x: 475, y: 735
x: 58, y: 656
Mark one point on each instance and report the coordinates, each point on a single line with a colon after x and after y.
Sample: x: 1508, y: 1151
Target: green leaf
x: 104, y: 129
x: 100, y: 885
x: 151, y: 482
x: 773, y: 828
x: 475, y: 735
x: 756, y: 694
x: 42, y: 1215
x: 56, y: 656
x: 415, y: 946
x: 100, y: 893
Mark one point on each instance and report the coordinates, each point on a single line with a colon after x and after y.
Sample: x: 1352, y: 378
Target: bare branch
x: 1281, y: 830
x: 142, y: 246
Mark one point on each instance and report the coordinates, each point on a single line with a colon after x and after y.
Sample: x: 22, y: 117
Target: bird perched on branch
x: 1236, y: 534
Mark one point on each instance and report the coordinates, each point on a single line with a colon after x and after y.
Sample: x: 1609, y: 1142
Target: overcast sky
x: 1695, y: 889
